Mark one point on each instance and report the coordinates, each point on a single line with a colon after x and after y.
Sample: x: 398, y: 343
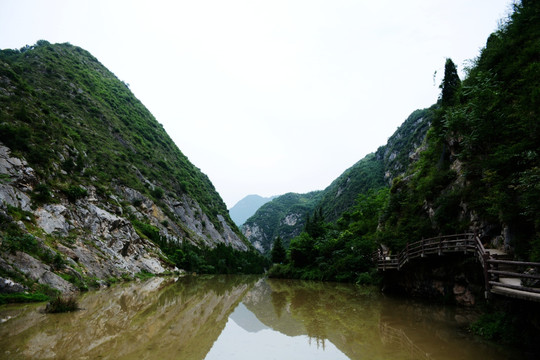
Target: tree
x: 278, y: 251
x: 450, y: 85
x: 302, y: 250
x: 315, y: 226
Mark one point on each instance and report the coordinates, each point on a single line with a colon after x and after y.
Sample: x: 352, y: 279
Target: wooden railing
x: 465, y: 243
x: 518, y: 279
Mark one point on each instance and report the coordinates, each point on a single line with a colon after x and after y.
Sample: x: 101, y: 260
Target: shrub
x: 42, y: 194
x: 15, y: 137
x: 61, y: 304
x: 493, y: 326
x: 25, y: 243
x: 75, y: 192
x: 150, y: 231
x: 158, y: 193
x: 366, y: 278
x: 280, y: 271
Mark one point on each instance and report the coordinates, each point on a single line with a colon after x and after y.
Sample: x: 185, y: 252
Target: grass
x: 143, y: 275
x: 23, y: 298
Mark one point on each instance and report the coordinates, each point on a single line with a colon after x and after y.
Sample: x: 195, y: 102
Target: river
x: 239, y: 317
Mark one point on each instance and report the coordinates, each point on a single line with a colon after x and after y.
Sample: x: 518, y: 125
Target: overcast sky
x: 269, y: 97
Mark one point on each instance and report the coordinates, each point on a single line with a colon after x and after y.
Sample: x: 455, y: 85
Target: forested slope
x: 477, y: 169
x: 91, y: 186
x: 286, y: 216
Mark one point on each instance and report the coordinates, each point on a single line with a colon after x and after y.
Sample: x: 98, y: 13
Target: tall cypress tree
x: 450, y: 85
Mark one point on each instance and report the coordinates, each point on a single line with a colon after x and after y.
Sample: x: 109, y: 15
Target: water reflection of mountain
x: 160, y: 319
x: 167, y: 319
x: 324, y: 312
x: 246, y: 319
x: 365, y: 325
x: 270, y: 307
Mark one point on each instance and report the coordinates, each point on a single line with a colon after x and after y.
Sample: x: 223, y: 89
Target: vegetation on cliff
x: 477, y: 169
x: 76, y: 124
x: 370, y: 173
x: 480, y: 168
x: 92, y: 188
x: 284, y: 216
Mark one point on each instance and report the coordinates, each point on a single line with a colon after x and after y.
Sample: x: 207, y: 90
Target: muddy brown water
x: 238, y: 317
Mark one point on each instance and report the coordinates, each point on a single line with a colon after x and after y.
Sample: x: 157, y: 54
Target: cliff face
x: 90, y: 183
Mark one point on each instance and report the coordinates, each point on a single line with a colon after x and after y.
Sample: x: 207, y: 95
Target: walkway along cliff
x: 516, y: 279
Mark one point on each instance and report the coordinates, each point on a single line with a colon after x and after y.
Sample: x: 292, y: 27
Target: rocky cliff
x: 90, y: 183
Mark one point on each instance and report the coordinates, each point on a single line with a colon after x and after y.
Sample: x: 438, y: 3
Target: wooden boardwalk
x: 517, y: 279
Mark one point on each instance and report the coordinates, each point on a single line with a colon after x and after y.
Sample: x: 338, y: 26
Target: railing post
x: 440, y: 247
x: 495, y: 276
x: 485, y: 258
x: 407, y: 253
x: 422, y: 255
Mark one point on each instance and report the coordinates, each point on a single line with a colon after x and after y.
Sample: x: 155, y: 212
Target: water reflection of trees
x: 362, y: 323
x: 324, y: 312
x: 279, y: 300
x: 165, y: 319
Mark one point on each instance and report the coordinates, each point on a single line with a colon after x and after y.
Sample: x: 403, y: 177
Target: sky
x: 269, y: 97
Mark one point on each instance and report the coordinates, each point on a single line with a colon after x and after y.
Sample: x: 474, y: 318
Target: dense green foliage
x: 451, y: 84
x: 336, y: 252
x: 481, y: 164
x: 366, y: 174
x: 222, y: 259
x: 77, y: 124
x: 219, y: 260
x: 477, y: 169
x: 372, y: 172
x: 23, y: 298
x: 270, y: 217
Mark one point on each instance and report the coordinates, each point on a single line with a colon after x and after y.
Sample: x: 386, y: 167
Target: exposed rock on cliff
x: 94, y: 236
x: 91, y: 185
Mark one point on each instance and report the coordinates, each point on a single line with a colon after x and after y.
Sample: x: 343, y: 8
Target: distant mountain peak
x: 246, y: 207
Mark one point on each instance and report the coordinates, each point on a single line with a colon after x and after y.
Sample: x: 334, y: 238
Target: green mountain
x: 468, y: 164
x: 91, y: 185
x: 286, y: 215
x: 480, y: 168
x: 246, y: 207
